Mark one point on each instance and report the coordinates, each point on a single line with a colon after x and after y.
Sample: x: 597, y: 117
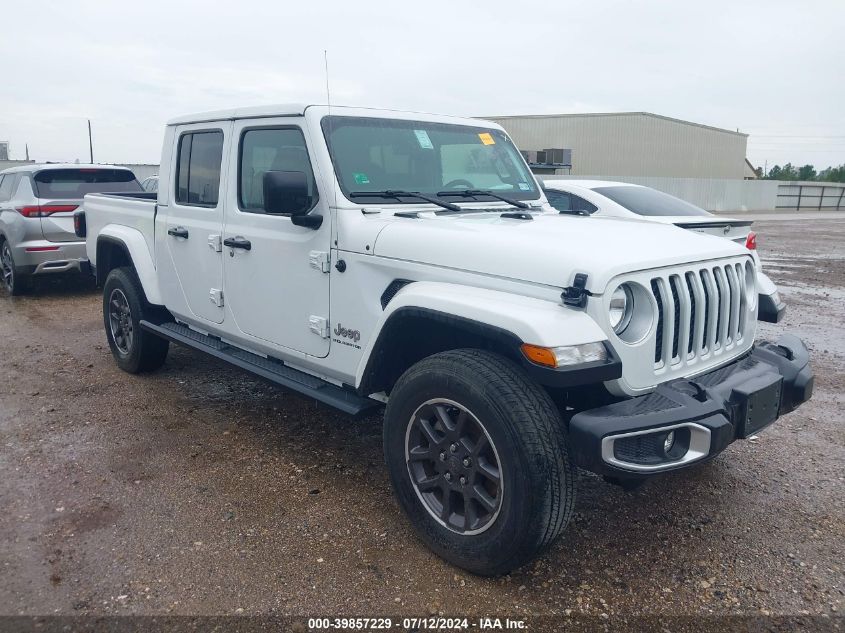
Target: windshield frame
x: 328, y: 125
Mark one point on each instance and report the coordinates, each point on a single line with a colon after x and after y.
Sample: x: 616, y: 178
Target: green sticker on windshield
x: 423, y: 139
x: 361, y: 179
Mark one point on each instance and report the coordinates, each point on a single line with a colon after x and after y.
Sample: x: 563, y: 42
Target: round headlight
x: 621, y: 308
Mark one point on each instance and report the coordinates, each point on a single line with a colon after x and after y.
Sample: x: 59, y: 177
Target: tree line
x: 807, y: 172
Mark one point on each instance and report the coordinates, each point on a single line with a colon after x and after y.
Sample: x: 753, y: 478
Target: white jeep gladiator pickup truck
x: 368, y: 257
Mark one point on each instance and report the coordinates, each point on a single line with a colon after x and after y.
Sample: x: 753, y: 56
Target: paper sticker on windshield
x: 524, y: 186
x: 361, y: 179
x: 423, y: 139
x: 486, y: 138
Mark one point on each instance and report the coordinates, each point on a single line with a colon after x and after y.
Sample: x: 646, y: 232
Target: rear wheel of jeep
x: 124, y: 307
x: 479, y: 460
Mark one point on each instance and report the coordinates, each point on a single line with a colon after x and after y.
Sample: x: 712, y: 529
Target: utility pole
x: 90, y: 143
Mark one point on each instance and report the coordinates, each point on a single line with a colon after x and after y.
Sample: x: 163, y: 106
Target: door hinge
x: 320, y: 260
x: 319, y: 325
x: 215, y: 243
x: 216, y: 296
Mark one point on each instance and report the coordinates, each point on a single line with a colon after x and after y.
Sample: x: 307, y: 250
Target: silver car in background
x: 36, y: 217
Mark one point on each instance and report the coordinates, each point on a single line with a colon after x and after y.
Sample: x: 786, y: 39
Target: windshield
x: 377, y: 155
x: 646, y: 201
x: 75, y: 183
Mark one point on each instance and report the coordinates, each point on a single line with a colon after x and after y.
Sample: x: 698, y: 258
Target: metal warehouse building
x: 626, y: 144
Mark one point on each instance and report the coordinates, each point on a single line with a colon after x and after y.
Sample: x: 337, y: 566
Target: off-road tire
x: 146, y: 351
x: 536, y: 465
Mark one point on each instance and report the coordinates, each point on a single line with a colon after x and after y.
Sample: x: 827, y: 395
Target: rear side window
x: 6, y: 187
x: 647, y: 201
x: 75, y: 183
x: 270, y: 149
x: 198, y: 168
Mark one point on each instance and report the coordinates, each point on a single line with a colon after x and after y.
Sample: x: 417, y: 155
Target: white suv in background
x: 36, y: 217
x: 636, y: 202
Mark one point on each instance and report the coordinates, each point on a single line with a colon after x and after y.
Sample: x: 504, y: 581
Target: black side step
x: 273, y: 370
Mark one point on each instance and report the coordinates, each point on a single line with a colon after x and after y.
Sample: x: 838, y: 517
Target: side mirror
x: 286, y: 192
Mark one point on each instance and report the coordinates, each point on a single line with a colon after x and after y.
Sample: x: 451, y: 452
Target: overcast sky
x: 772, y: 69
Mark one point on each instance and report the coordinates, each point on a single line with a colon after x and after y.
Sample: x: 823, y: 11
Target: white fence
x: 716, y: 194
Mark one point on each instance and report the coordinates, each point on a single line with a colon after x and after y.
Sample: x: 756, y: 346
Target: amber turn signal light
x: 540, y: 355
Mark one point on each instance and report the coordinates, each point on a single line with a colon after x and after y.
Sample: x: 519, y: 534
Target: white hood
x: 550, y: 249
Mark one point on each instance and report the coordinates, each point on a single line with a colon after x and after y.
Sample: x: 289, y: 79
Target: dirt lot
x: 198, y: 490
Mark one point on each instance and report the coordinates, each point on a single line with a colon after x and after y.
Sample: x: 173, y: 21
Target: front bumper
x: 705, y: 414
x: 38, y: 257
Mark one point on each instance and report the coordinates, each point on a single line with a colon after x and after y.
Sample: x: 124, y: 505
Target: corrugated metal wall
x: 633, y: 144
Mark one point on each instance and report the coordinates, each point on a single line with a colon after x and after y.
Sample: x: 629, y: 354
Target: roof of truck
x: 298, y: 109
x: 253, y: 112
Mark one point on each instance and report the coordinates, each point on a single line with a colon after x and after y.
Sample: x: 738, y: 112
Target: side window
x: 198, y: 168
x: 566, y: 202
x: 579, y: 204
x: 560, y: 200
x: 270, y: 149
x: 6, y: 187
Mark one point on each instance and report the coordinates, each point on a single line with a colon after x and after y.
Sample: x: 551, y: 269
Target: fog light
x: 669, y: 442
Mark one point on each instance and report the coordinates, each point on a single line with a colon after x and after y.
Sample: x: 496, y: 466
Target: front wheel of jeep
x: 479, y: 460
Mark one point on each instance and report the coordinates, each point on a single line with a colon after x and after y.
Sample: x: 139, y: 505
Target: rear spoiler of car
x: 713, y: 225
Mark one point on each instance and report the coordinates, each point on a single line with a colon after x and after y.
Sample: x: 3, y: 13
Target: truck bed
x: 135, y: 211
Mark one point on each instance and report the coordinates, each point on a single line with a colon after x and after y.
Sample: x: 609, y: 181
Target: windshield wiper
x: 393, y: 193
x: 483, y: 192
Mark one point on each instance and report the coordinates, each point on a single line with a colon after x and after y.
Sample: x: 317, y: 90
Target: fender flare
x: 135, y: 245
x: 504, y: 318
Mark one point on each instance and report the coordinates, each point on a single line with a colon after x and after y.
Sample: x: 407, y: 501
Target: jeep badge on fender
x: 355, y: 335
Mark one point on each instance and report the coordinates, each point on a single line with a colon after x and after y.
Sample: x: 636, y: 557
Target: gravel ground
x: 198, y: 490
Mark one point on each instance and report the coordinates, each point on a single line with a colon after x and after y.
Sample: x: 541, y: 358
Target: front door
x: 195, y: 217
x: 276, y: 274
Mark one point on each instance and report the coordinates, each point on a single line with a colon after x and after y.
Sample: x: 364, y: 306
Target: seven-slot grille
x: 699, y: 312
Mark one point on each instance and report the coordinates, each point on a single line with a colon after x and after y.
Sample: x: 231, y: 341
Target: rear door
x: 60, y: 191
x: 195, y: 216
